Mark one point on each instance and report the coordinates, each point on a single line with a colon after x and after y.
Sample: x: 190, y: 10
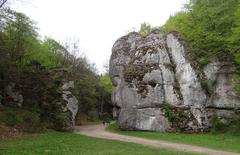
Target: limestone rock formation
x: 158, y: 88
x: 72, y: 102
x: 14, y: 97
x: 48, y: 91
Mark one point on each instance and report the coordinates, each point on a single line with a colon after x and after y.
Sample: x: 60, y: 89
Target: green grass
x: 56, y: 143
x: 215, y: 141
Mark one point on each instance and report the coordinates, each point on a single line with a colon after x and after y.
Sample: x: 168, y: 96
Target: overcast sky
x: 96, y: 23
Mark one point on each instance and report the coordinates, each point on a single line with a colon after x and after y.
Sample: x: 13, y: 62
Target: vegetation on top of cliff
x: 145, y: 29
x: 208, y: 26
x: 211, y: 28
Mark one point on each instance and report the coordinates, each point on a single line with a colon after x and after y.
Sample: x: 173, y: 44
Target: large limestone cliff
x: 158, y: 88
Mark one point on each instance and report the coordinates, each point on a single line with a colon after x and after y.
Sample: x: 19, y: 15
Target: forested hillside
x: 32, y: 72
x: 174, y: 86
x: 212, y: 30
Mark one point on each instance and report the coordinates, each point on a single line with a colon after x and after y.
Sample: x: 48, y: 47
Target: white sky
x: 96, y: 23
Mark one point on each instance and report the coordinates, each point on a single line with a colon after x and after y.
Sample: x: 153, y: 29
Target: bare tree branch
x: 2, y: 2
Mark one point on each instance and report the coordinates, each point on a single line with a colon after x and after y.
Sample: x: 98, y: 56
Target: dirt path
x: 100, y: 132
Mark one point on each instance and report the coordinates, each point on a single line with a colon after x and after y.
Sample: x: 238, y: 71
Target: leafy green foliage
x: 106, y: 83
x: 40, y: 63
x: 206, y: 24
x: 104, y: 96
x: 217, y: 125
x: 105, y: 90
x: 169, y: 113
x: 48, y: 54
x: 211, y: 27
x: 20, y: 44
x: 237, y: 83
x: 206, y: 85
x: 178, y: 117
x: 18, y: 36
x: 178, y: 22
x: 145, y: 29
x: 235, y: 39
x: 231, y: 127
x: 86, y: 93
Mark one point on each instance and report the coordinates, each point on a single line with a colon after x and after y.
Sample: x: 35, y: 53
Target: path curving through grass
x: 100, y: 132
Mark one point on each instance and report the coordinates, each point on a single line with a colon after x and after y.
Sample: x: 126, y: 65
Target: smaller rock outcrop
x: 72, y: 102
x: 50, y: 92
x: 223, y: 101
x: 13, y: 97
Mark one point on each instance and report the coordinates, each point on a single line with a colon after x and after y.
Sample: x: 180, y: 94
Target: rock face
x: 157, y: 88
x: 48, y: 91
x: 72, y: 102
x: 14, y: 97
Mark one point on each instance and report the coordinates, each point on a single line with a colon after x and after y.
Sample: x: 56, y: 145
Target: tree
x: 105, y: 90
x: 2, y: 2
x: 23, y: 54
x: 234, y: 39
x: 206, y: 25
x: 20, y: 36
x: 106, y: 83
x: 212, y: 30
x: 51, y: 54
x: 145, y: 29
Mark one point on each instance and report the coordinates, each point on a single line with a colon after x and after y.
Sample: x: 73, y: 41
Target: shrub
x: 230, y: 127
x: 237, y: 83
x: 217, y: 125
x: 169, y: 113
x: 203, y: 62
x: 10, y: 117
x: 28, y: 120
x: 206, y: 86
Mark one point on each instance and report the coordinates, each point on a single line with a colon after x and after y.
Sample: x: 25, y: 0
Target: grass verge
x: 56, y: 143
x: 215, y: 141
